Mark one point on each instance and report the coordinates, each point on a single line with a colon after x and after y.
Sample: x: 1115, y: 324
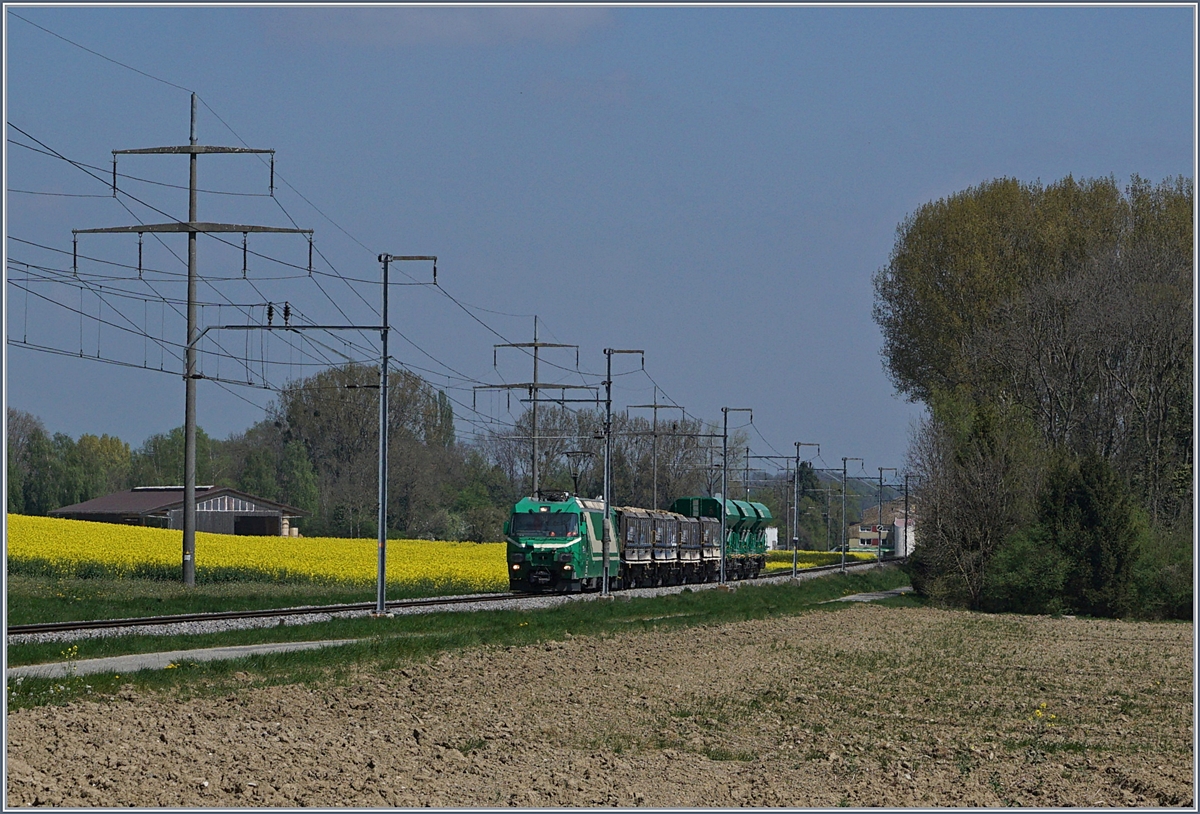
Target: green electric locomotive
x: 556, y: 543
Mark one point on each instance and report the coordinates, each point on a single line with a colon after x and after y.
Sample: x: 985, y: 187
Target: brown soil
x: 866, y: 706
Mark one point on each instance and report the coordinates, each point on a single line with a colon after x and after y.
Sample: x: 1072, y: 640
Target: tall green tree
x: 259, y: 473
x: 1089, y: 517
x: 978, y: 473
x: 958, y: 259
x: 106, y: 463
x: 1073, y: 301
x: 334, y: 415
x: 40, y: 492
x: 20, y: 427
x: 298, y: 478
x: 159, y: 460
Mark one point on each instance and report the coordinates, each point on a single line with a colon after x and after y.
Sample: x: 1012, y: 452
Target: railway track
x: 402, y: 604
x: 216, y: 616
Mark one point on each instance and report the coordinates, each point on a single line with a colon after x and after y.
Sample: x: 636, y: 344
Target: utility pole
x: 746, y: 477
x: 608, y: 355
x: 828, y: 506
x: 381, y: 581
x: 534, y: 388
x: 383, y: 328
x: 845, y: 541
x: 796, y: 495
x: 654, y: 434
x: 725, y: 477
x: 796, y: 503
x: 192, y: 227
x: 879, y: 517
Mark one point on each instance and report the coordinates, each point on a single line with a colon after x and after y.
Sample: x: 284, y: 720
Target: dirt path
x: 865, y: 706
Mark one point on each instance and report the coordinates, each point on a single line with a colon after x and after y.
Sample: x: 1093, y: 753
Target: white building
x: 904, y: 532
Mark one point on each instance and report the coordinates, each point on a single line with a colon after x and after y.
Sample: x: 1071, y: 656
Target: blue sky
x: 715, y: 186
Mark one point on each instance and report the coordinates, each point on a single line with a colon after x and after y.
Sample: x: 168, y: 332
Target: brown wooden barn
x: 219, y: 509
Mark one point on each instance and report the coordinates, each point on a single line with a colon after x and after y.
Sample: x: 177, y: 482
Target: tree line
x: 1048, y: 329
x: 317, y: 450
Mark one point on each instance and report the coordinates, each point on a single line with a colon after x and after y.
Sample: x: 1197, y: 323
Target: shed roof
x: 142, y: 500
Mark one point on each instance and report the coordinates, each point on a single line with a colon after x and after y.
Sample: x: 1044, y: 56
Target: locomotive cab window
x: 545, y: 524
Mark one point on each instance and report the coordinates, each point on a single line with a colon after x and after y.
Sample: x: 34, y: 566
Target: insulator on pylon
x: 270, y: 312
x: 287, y: 313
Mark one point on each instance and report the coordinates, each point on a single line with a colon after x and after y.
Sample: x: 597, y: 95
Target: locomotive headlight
x: 567, y: 567
x: 516, y: 566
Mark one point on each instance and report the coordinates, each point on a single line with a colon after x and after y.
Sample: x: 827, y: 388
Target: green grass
x: 404, y: 639
x: 41, y: 598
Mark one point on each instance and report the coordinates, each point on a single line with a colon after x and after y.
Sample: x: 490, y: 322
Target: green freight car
x: 745, y: 533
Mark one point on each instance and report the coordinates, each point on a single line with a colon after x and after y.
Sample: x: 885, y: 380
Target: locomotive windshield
x: 545, y: 524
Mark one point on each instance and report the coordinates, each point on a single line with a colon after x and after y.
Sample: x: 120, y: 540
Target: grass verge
x: 43, y: 598
x: 387, y: 642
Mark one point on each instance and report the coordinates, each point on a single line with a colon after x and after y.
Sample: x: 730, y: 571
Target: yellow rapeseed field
x: 69, y: 547
x: 75, y: 547
x: 782, y: 560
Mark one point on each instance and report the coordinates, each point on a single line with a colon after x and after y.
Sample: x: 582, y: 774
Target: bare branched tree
x: 972, y: 490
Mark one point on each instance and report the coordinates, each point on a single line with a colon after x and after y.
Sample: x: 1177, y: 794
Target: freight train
x: 556, y: 543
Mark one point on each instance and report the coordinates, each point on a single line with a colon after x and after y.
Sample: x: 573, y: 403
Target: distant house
x: 866, y: 533
x: 772, y: 535
x: 219, y: 509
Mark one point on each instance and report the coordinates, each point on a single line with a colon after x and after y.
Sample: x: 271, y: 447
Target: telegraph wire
x: 463, y: 306
x: 126, y: 176
x: 159, y: 297
x: 131, y: 267
x: 56, y: 194
x: 284, y: 180
x: 83, y: 168
x: 97, y: 53
x: 53, y: 274
x: 172, y: 252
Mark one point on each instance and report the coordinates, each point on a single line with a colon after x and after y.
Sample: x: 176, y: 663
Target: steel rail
x: 211, y: 616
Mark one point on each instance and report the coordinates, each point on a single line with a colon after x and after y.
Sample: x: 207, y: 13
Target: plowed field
x: 864, y: 706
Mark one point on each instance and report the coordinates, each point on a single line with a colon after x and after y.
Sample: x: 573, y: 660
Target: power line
x: 97, y: 53
x: 312, y: 273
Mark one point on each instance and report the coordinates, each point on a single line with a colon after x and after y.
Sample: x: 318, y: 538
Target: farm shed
x: 219, y: 509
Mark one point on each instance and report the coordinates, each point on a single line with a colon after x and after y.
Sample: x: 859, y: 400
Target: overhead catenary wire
x: 221, y: 119
x: 468, y: 309
x: 335, y: 274
x: 79, y: 165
